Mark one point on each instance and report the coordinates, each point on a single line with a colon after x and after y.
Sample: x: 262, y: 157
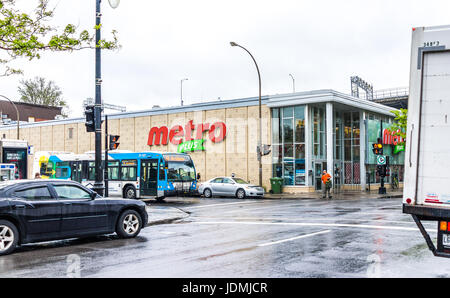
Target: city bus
x: 142, y: 175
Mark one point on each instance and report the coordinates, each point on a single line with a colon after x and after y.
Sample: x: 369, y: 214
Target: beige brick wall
x: 236, y: 154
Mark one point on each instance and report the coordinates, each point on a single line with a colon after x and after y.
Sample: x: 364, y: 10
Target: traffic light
x: 266, y: 150
x: 381, y: 170
x: 90, y: 119
x: 377, y: 148
x: 114, y: 142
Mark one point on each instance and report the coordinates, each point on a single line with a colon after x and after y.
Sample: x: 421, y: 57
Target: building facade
x: 308, y: 132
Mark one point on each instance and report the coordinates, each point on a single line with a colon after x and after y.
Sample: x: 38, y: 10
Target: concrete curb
x: 335, y: 197
x: 166, y: 215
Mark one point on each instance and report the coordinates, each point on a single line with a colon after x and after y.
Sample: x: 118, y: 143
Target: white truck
x: 427, y: 161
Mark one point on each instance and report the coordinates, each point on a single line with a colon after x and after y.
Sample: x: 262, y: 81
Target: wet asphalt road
x: 249, y: 238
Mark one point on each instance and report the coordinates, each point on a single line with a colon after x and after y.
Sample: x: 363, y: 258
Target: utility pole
x: 98, y: 184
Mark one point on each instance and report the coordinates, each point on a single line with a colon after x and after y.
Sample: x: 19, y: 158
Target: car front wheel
x: 240, y: 194
x: 129, y: 224
x: 9, y: 237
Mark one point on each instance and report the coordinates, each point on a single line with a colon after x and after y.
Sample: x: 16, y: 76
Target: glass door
x: 318, y: 175
x: 76, y: 169
x: 149, y: 177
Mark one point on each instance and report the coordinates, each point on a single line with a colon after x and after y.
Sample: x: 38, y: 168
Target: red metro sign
x: 392, y: 137
x: 179, y: 134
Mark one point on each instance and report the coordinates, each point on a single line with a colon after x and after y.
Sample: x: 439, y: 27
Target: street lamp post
x: 98, y: 185
x: 259, y: 150
x: 18, y: 116
x: 182, y: 90
x: 293, y: 83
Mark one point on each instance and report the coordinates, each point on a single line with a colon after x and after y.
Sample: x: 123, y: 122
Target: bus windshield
x: 180, y: 171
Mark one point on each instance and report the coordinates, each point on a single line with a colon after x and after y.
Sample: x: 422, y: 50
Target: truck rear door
x: 433, y: 174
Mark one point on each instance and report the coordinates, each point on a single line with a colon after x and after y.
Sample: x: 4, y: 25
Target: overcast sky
x: 321, y: 42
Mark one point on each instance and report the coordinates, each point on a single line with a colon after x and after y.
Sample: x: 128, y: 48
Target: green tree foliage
x: 27, y: 36
x: 42, y: 92
x: 400, y: 122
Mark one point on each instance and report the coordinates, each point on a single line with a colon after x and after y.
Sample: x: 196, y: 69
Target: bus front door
x: 76, y: 168
x: 149, y: 177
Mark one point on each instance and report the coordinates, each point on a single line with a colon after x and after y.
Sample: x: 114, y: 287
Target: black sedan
x: 44, y: 210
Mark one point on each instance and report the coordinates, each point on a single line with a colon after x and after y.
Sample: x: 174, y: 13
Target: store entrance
x: 319, y: 166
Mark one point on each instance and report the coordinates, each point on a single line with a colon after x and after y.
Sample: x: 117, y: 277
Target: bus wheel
x: 129, y: 193
x: 207, y: 193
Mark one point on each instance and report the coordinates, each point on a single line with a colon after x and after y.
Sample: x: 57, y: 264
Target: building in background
x: 27, y: 112
x: 308, y: 131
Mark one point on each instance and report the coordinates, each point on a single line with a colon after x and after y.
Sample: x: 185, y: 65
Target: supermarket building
x: 308, y: 132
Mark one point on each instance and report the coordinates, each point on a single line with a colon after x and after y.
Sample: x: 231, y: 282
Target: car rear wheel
x: 207, y: 193
x: 129, y: 224
x: 9, y: 237
x: 240, y: 194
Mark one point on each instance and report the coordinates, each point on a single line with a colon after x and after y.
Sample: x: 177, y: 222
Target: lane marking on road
x: 316, y: 219
x: 225, y: 204
x: 293, y: 238
x: 376, y: 227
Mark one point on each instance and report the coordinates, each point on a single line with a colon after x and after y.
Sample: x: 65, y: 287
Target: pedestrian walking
x: 326, y: 185
x: 37, y: 176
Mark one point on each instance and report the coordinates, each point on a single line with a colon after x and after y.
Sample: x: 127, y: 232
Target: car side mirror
x: 198, y: 176
x: 93, y: 195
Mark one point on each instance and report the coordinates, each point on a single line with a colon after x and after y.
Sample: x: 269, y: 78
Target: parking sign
x: 381, y: 160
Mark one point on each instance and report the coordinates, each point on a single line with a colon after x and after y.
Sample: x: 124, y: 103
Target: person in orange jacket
x: 326, y: 185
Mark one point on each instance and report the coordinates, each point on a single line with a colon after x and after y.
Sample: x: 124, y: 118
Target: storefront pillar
x: 362, y: 148
x: 330, y: 145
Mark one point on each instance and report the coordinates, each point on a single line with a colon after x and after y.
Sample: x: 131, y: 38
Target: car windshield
x: 240, y: 181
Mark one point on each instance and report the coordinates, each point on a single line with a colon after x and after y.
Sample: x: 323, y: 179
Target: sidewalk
x: 337, y: 196
x: 158, y: 215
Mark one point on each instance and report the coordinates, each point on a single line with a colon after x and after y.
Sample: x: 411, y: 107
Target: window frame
x: 54, y: 186
x: 13, y: 193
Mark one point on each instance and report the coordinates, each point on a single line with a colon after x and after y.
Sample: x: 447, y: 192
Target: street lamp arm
x: 17, y: 112
x: 253, y: 58
x: 259, y: 150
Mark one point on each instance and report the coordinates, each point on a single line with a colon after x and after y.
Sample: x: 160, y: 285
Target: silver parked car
x: 230, y: 186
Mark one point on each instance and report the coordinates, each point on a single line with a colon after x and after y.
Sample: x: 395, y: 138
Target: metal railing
x: 391, y: 93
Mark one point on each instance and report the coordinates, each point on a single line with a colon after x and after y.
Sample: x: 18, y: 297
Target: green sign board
x: 190, y: 146
x: 399, y: 148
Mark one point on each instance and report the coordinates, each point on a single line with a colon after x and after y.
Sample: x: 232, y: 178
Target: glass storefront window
x: 288, y: 130
x: 288, y: 173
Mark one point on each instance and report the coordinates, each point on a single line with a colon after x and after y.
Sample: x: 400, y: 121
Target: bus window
x: 113, y: 170
x: 162, y: 174
x: 128, y: 170
x: 181, y: 171
x: 91, y: 171
x: 46, y: 169
x: 62, y: 170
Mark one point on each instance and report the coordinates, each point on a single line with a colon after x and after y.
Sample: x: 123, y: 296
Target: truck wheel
x: 9, y: 237
x: 207, y: 193
x: 129, y: 193
x: 129, y: 224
